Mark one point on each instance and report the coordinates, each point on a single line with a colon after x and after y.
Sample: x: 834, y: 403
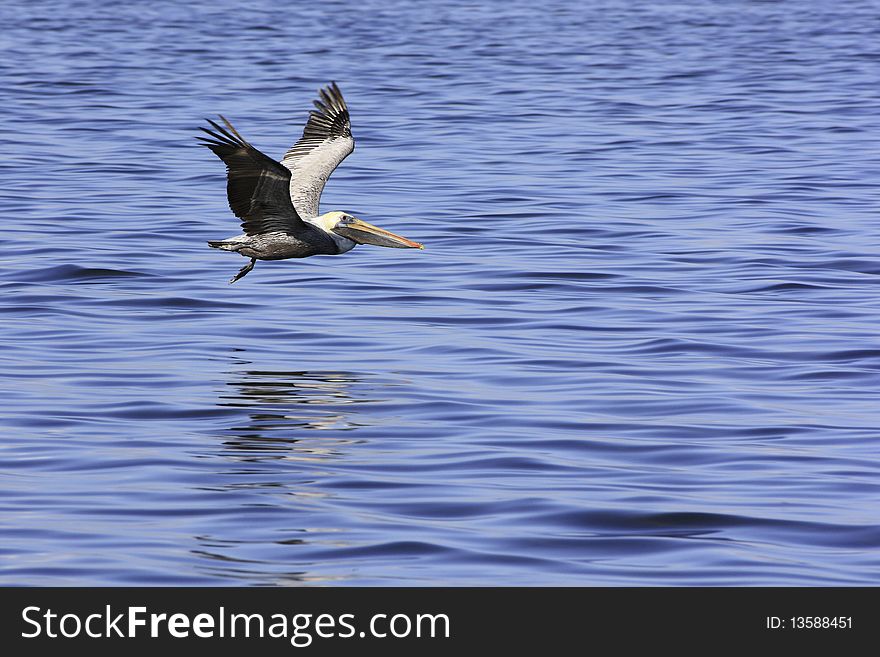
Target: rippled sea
x: 642, y: 346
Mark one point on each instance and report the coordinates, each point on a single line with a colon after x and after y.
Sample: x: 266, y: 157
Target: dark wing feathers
x: 258, y: 187
x: 325, y: 142
x: 328, y: 120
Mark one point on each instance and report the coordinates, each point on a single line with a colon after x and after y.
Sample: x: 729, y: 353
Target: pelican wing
x: 325, y: 142
x: 257, y: 186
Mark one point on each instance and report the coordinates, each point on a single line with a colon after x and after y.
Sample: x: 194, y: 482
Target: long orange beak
x: 363, y: 233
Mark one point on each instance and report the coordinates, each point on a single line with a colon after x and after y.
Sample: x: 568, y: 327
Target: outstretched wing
x: 257, y: 185
x: 325, y: 142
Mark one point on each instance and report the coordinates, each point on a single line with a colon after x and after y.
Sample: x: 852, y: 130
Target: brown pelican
x: 278, y: 202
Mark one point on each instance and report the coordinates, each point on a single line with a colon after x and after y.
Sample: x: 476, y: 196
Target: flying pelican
x: 278, y: 202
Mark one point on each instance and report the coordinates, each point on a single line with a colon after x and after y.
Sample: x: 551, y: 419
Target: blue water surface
x: 642, y: 346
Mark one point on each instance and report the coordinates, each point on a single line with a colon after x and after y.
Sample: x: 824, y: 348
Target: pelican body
x: 278, y: 202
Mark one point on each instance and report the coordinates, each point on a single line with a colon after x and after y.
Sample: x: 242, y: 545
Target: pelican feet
x: 243, y: 271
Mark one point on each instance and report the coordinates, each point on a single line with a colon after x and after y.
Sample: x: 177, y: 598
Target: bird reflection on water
x: 291, y: 426
x: 282, y: 404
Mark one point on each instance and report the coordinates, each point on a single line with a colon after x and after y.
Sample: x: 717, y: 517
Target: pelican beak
x: 363, y: 233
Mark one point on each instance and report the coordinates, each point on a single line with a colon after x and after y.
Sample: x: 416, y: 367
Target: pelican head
x: 360, y: 232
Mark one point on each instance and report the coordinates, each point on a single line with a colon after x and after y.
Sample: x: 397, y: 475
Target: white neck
x: 326, y: 222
